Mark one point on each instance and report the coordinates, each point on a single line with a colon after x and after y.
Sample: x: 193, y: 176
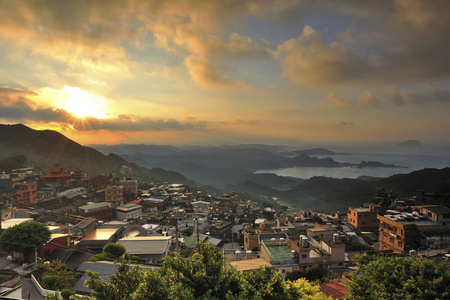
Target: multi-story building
x: 427, y: 226
x: 287, y: 255
x: 128, y: 211
x: 26, y: 192
x: 101, y: 211
x: 363, y: 218
x: 129, y: 185
x: 111, y: 194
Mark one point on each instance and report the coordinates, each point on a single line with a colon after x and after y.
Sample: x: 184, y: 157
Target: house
x: 101, y: 211
x: 364, y: 218
x: 111, y: 194
x: 128, y: 211
x: 129, y: 185
x: 26, y: 192
x: 426, y: 226
x: 5, y: 224
x: 147, y: 248
x: 57, y: 240
x: 85, y: 227
x: 101, y: 236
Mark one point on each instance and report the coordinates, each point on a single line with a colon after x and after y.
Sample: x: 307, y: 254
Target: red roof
x: 334, y: 289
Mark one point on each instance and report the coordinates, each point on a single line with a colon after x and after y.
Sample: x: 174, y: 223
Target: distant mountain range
x: 229, y: 164
x: 228, y: 168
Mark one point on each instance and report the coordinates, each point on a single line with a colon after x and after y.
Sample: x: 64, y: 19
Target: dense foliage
x: 313, y: 273
x: 24, y: 238
x: 381, y: 277
x: 56, y: 276
x: 14, y: 162
x: 202, y: 276
x: 111, y: 251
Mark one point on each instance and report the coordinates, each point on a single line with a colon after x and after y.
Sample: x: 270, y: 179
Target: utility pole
x: 35, y: 258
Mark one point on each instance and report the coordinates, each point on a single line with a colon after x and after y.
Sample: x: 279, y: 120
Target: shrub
x: 49, y: 281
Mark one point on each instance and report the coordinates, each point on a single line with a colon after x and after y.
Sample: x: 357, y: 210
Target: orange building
x: 363, y: 218
x: 57, y: 174
x: 26, y: 192
x: 403, y: 232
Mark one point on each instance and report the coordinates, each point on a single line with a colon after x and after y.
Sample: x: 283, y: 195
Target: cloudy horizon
x: 210, y: 72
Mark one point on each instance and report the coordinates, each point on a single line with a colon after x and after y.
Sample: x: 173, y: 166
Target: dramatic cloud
x: 309, y: 61
x: 398, y: 96
x: 392, y: 95
x: 137, y: 123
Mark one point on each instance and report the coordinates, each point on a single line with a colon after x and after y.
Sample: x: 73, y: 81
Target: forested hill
x: 44, y: 148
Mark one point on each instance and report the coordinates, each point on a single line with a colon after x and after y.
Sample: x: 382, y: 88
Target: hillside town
x: 152, y: 220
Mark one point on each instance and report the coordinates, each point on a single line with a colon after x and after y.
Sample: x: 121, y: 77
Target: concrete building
x: 101, y: 211
x: 26, y: 192
x: 363, y: 218
x: 427, y: 226
x: 147, y: 248
x: 128, y: 211
x: 112, y: 194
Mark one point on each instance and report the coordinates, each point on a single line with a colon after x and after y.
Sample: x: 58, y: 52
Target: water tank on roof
x: 305, y: 241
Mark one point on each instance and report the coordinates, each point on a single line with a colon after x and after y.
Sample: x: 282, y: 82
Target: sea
x: 409, y: 160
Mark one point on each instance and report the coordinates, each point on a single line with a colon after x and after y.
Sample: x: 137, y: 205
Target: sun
x: 82, y: 104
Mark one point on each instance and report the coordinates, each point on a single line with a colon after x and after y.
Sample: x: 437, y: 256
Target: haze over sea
x: 411, y: 159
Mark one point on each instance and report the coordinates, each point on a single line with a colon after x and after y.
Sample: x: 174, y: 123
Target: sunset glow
x: 238, y: 71
x: 82, y: 104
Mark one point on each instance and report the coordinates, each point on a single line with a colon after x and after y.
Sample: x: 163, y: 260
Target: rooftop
x: 101, y: 234
x: 279, y: 252
x: 437, y: 209
x: 146, y: 244
x: 249, y: 264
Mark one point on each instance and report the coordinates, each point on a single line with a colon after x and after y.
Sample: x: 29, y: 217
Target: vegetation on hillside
x: 202, y: 276
x: 391, y: 277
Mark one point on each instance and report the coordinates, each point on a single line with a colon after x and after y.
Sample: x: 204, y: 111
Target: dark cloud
x: 398, y: 96
x: 136, y: 123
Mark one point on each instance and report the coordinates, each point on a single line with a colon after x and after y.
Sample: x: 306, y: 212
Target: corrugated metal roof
x: 146, y: 244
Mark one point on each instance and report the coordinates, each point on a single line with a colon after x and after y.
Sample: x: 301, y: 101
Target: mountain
x: 315, y: 151
x: 410, y: 143
x: 43, y: 148
x: 332, y: 194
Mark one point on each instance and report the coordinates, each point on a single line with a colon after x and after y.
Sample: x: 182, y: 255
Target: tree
x: 63, y: 277
x: 315, y: 272
x: 382, y: 277
x: 25, y: 238
x: 113, y: 251
x: 201, y: 276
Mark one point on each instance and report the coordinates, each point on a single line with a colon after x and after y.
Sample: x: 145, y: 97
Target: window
x: 391, y: 240
x: 400, y: 244
x: 304, y: 256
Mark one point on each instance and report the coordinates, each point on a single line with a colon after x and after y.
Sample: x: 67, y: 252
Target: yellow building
x: 112, y: 194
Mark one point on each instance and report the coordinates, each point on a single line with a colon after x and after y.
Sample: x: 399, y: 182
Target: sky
x: 229, y: 71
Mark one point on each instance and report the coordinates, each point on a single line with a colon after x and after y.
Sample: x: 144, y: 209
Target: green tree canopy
x: 381, y: 277
x: 24, y: 238
x: 201, y: 276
